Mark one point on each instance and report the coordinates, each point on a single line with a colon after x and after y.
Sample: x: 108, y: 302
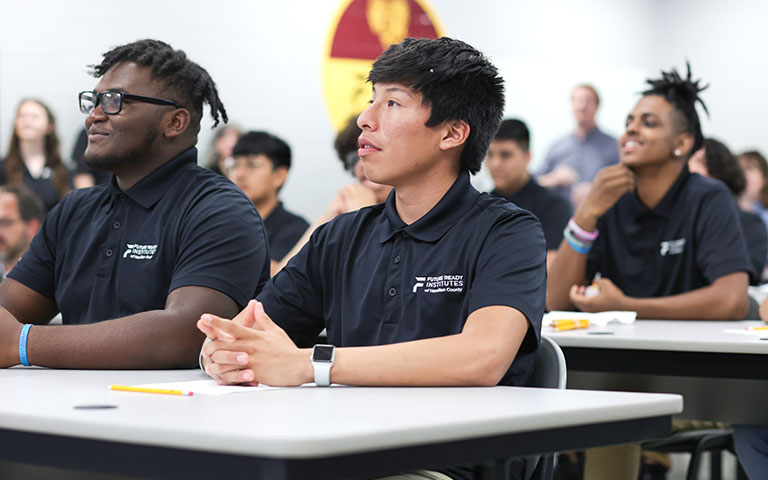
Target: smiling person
x: 33, y: 157
x: 667, y: 244
x: 150, y: 251
x: 658, y: 240
x: 421, y: 289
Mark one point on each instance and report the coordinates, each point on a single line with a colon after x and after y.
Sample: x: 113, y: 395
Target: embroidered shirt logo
x: 440, y: 284
x: 672, y: 247
x: 139, y: 252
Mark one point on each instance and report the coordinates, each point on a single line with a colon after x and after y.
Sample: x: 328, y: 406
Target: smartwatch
x: 322, y: 361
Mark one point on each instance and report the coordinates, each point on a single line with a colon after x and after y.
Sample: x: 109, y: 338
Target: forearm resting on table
x: 147, y: 340
x: 478, y: 356
x: 566, y: 269
x: 155, y: 339
x: 725, y: 299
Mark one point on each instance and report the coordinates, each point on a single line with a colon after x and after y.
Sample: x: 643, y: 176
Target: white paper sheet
x: 599, y: 319
x: 207, y: 387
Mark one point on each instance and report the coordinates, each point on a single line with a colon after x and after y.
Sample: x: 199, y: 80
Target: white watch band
x: 200, y: 357
x: 322, y: 361
x: 322, y: 373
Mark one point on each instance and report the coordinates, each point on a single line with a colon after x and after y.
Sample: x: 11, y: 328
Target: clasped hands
x: 251, y: 349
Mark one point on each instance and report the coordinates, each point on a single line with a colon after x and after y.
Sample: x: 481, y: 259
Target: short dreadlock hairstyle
x: 455, y: 80
x: 186, y: 82
x: 682, y: 94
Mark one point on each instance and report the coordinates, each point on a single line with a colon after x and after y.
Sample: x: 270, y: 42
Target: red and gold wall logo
x: 361, y: 30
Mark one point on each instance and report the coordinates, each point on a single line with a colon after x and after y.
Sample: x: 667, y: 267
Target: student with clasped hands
x: 420, y: 290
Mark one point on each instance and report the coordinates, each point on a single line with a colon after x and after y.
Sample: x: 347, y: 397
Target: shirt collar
x: 429, y: 228
x: 152, y: 187
x: 666, y: 206
x: 587, y: 137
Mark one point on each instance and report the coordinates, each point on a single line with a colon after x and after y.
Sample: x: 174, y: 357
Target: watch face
x: 322, y: 353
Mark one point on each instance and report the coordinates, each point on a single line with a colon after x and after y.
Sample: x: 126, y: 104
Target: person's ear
x: 32, y: 226
x: 176, y: 122
x: 527, y: 157
x: 279, y: 175
x: 456, y: 133
x: 683, y: 144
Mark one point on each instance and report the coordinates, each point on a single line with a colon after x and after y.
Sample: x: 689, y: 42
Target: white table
x: 722, y: 376
x: 343, y: 432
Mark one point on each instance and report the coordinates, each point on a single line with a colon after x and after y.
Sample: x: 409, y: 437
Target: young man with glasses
x: 150, y: 251
x: 259, y: 166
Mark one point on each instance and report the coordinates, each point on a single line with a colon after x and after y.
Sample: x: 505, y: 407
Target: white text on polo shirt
x: 439, y: 284
x: 672, y: 247
x: 139, y: 252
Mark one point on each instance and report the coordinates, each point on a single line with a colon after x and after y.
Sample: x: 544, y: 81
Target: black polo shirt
x: 103, y: 253
x: 690, y: 239
x: 42, y: 186
x: 757, y: 243
x: 552, y: 210
x: 370, y: 279
x: 284, y: 229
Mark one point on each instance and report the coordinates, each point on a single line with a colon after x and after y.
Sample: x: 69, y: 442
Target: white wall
x: 266, y: 59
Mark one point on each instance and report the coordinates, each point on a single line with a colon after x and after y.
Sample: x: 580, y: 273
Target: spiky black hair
x: 455, y: 80
x: 186, y: 82
x: 682, y: 94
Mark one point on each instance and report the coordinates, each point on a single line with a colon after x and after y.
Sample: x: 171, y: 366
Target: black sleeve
x: 223, y: 246
x: 556, y: 218
x: 757, y: 243
x: 518, y: 281
x: 721, y: 247
x: 37, y: 267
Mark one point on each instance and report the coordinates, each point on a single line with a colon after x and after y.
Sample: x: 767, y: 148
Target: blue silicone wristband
x: 576, y: 245
x: 23, y: 344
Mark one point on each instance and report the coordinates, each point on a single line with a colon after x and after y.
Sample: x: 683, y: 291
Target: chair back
x: 550, y: 370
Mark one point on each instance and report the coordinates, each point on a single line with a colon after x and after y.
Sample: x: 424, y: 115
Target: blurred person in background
x: 715, y: 160
x: 352, y: 196
x: 33, y: 157
x: 21, y: 214
x: 574, y: 160
x: 507, y: 161
x: 259, y: 167
x: 224, y: 141
x: 755, y: 195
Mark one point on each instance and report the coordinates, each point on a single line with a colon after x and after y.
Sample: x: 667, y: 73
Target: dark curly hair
x: 682, y: 94
x: 455, y: 80
x: 185, y: 82
x: 346, y: 145
x: 724, y: 165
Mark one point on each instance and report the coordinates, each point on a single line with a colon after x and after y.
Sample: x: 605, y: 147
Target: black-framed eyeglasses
x: 112, y: 102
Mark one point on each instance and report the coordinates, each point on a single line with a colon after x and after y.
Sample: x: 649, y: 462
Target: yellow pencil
x: 757, y: 328
x: 569, y: 324
x: 127, y: 388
